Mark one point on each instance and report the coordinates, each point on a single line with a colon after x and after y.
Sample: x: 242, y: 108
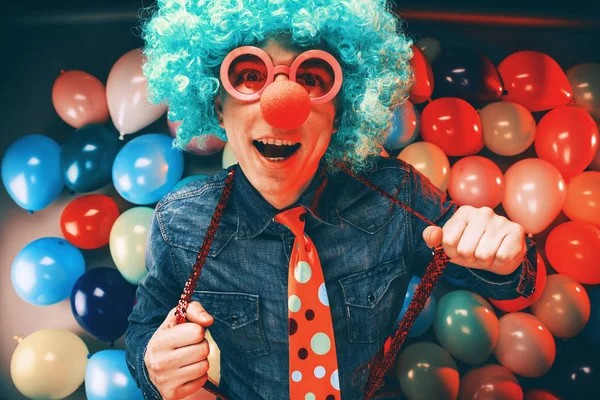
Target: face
x: 279, y: 182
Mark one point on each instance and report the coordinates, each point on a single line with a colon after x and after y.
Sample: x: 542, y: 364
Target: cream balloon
x: 127, y: 242
x: 127, y: 95
x: 430, y: 47
x: 476, y: 181
x: 534, y: 194
x: 583, y: 198
x: 585, y: 80
x: 508, y: 128
x: 564, y: 307
x: 49, y: 364
x: 228, y: 157
x: 430, y: 160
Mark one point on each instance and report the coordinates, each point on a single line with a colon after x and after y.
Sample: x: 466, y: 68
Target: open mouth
x: 275, y: 152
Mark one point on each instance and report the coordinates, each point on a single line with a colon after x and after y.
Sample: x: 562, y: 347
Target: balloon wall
x: 517, y: 133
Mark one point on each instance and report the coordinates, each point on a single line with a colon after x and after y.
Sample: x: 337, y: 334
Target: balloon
x: 567, y: 137
x: 49, y: 364
x: 79, y: 98
x: 523, y: 302
x: 476, y: 181
x: 425, y: 318
x: 490, y: 381
x: 101, y: 302
x: 466, y: 74
x: 572, y: 250
x: 107, y: 377
x: 540, y: 394
x: 202, y: 145
x: 405, y: 127
x: 591, y: 332
x: 128, y: 238
x: 595, y: 164
x: 430, y: 160
x: 427, y: 372
x: 583, y: 198
x: 31, y: 172
x: 508, y: 128
x: 564, y: 307
x: 127, y: 95
x: 86, y: 221
x: 147, y: 168
x: 534, y: 80
x: 45, y: 270
x: 430, y: 47
x: 453, y: 125
x: 466, y: 326
x: 423, y: 77
x: 525, y: 346
x: 534, y: 194
x: 585, y: 81
x: 87, y: 157
x: 187, y: 180
x: 229, y: 157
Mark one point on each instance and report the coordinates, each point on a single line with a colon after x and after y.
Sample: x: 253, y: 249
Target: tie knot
x: 293, y: 218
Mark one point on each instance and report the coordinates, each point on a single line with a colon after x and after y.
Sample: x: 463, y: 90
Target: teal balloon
x: 107, y: 377
x: 87, y: 157
x: 188, y: 179
x: 147, y: 168
x: 31, y: 172
x: 406, y: 125
x: 45, y: 271
x: 466, y: 326
x: 425, y: 318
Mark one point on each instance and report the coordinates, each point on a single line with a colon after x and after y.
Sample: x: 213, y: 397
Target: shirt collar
x: 255, y: 213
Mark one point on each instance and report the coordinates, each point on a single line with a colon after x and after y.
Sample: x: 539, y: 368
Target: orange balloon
x: 453, y: 125
x: 523, y: 302
x: 490, y: 381
x: 79, y: 99
x: 534, y: 194
x: 476, y: 181
x: 583, y: 198
x: 572, y: 249
x: 86, y: 222
x: 423, y: 77
x: 535, y: 80
x: 540, y: 394
x: 567, y: 137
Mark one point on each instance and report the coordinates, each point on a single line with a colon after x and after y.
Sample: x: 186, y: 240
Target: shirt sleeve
x: 432, y: 203
x: 157, y: 293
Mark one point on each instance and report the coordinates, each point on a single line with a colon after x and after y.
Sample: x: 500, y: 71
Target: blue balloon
x: 425, y: 318
x: 101, y: 302
x: 403, y: 132
x: 187, y: 180
x: 147, y: 168
x: 107, y: 377
x: 86, y: 159
x: 31, y: 172
x: 45, y: 270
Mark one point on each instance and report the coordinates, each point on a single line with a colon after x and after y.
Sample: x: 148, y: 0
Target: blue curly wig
x: 186, y: 41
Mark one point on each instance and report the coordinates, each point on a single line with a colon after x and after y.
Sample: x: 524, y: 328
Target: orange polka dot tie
x: 313, y: 362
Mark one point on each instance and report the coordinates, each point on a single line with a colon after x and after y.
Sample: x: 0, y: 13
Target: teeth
x: 275, y: 158
x: 277, y: 142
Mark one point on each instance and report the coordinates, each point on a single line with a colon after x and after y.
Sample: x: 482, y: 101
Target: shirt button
x: 234, y: 318
x: 371, y: 298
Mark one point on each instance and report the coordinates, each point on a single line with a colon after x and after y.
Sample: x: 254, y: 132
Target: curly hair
x: 186, y: 41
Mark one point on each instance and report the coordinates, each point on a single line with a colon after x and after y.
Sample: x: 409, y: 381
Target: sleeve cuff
x: 148, y: 389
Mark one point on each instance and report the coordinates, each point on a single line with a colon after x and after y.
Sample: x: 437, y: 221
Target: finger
x: 196, y: 313
x: 487, y: 248
x: 470, y: 239
x: 193, y: 376
x: 452, y: 231
x: 432, y: 236
x: 169, y: 320
x: 182, y: 335
x: 512, y: 247
x: 192, y: 354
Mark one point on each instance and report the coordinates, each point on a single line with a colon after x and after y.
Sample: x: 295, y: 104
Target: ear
x: 219, y: 110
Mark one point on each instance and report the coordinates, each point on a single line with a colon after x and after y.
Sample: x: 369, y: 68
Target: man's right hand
x: 176, y: 357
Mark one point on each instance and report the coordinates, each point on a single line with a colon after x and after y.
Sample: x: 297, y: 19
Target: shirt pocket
x: 237, y: 327
x: 371, y: 300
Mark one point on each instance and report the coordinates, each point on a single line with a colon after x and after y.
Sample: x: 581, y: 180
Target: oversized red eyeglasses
x: 248, y: 70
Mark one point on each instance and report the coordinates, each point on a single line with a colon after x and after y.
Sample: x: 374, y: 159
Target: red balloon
x: 422, y: 87
x: 453, y: 125
x: 522, y: 302
x: 535, y: 80
x: 86, y: 221
x: 567, y: 137
x: 572, y: 249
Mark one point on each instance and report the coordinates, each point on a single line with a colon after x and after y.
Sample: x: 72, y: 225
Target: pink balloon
x: 79, y: 99
x: 476, y: 181
x: 127, y: 95
x: 203, y: 145
x: 430, y: 160
x: 534, y: 194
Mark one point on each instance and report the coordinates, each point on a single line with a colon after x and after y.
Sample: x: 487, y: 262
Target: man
x: 295, y: 87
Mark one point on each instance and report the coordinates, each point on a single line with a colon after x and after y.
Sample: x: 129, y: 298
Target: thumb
x: 432, y: 236
x: 197, y: 314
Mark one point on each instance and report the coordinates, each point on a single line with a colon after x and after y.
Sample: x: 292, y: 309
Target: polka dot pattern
x: 313, y: 358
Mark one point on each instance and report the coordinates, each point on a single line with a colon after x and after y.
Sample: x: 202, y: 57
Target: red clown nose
x: 285, y: 105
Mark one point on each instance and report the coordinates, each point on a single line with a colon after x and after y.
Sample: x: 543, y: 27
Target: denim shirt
x: 369, y: 249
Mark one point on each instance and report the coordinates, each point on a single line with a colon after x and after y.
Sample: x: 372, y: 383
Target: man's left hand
x: 479, y: 238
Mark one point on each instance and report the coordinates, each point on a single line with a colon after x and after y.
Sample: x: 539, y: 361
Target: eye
x: 250, y: 75
x: 311, y: 80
